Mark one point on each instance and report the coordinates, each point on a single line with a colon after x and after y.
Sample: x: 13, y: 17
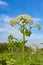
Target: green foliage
x: 9, y: 58
x: 11, y: 61
x: 3, y: 47
x: 27, y: 33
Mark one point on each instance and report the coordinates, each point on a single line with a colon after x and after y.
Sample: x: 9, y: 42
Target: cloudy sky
x: 11, y: 8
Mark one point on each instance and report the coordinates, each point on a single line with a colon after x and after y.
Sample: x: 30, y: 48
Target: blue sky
x: 12, y: 8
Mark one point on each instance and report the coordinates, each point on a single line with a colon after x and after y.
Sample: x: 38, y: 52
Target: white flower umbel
x: 21, y: 18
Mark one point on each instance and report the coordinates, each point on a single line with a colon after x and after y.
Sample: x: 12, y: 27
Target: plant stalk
x: 23, y: 48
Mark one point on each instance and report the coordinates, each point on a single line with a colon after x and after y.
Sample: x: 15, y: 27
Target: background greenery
x: 7, y: 57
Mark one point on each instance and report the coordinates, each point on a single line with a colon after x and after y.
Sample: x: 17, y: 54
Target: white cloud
x: 36, y: 20
x: 3, y: 3
x: 36, y: 36
x: 4, y: 19
x: 35, y: 39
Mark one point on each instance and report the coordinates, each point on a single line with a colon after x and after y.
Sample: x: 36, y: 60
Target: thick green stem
x: 23, y: 48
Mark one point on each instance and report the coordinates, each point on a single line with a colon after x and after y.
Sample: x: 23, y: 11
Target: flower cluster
x: 25, y: 19
x: 21, y: 18
x: 13, y: 22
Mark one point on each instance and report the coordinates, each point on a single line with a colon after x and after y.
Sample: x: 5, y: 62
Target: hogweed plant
x: 22, y: 21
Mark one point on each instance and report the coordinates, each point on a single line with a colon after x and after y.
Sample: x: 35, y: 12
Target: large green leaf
x: 28, y: 33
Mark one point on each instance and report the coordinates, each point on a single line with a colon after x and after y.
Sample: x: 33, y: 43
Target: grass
x: 15, y: 57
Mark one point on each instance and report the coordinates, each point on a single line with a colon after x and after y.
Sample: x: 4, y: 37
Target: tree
x: 22, y: 21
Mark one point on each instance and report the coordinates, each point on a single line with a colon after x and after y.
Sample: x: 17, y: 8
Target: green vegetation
x: 30, y: 57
